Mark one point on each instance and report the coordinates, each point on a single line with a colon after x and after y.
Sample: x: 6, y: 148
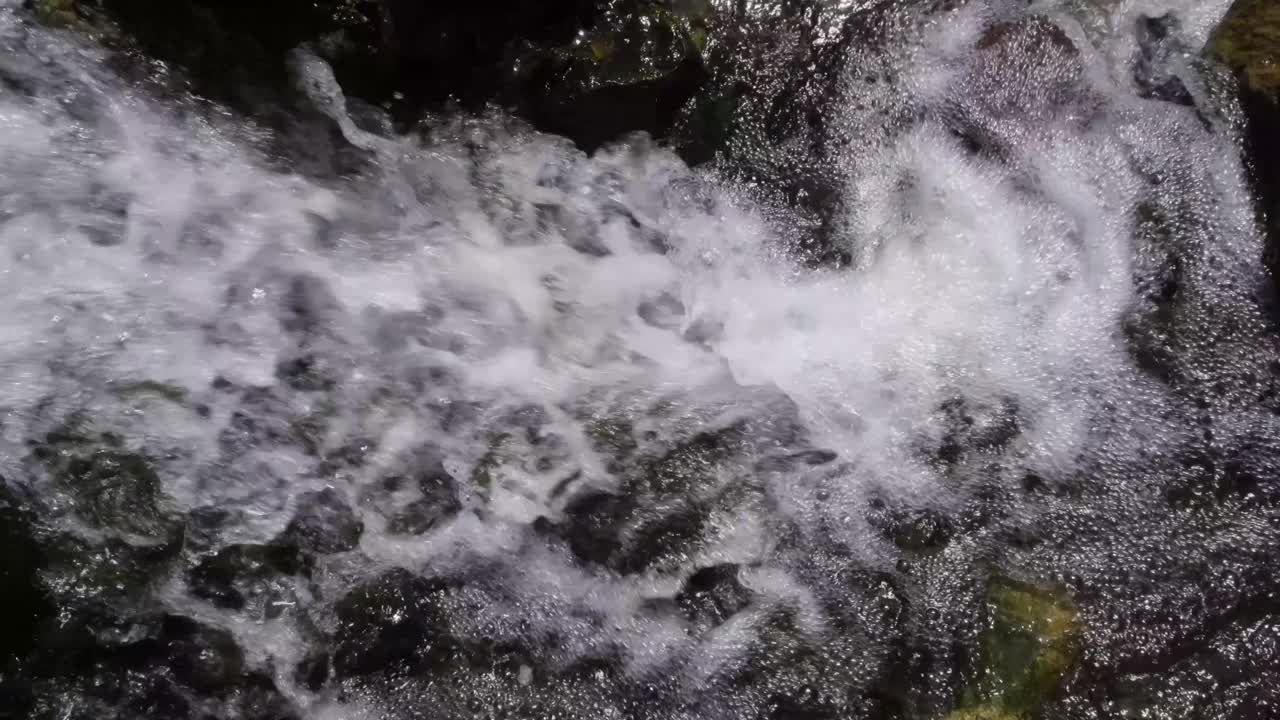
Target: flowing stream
x: 568, y: 383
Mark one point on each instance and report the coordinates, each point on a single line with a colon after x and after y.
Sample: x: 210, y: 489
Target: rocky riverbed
x: 778, y: 359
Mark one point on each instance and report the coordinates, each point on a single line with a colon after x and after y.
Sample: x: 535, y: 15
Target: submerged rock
x: 239, y: 575
x: 1028, y: 647
x: 119, y: 491
x: 394, y: 623
x: 26, y: 603
x: 323, y: 524
x: 712, y: 595
x: 631, y: 71
x: 1248, y: 42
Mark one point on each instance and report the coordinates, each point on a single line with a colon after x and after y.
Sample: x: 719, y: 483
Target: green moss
x: 1029, y: 646
x: 1248, y: 41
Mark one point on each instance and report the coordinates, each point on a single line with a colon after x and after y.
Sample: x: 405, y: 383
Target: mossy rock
x: 1030, y: 644
x: 1248, y: 41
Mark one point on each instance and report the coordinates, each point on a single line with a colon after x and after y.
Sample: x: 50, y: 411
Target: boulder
x: 239, y: 575
x: 396, y: 622
x: 1248, y: 42
x: 119, y: 491
x: 323, y: 524
x: 27, y: 603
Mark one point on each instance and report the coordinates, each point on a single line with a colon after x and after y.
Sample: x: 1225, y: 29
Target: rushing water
x: 1050, y: 344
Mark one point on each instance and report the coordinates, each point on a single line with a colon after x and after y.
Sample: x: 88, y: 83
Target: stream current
x: 556, y: 391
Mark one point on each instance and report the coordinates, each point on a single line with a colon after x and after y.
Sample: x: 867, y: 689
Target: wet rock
x: 614, y: 438
x: 665, y: 312
x: 107, y: 572
x: 308, y: 306
x: 313, y: 671
x: 913, y: 529
x: 152, y: 664
x: 257, y: 698
x: 788, y: 675
x: 689, y: 468
x: 1158, y: 47
x: 203, y: 658
x: 972, y: 428
x: 628, y: 534
x: 796, y: 461
x: 204, y: 526
x: 712, y: 595
x: 239, y: 575
x: 394, y: 623
x: 1030, y: 644
x: 21, y: 557
x: 323, y: 524
x: 306, y: 372
x: 119, y: 491
x: 480, y: 37
x: 438, y: 500
x: 594, y: 523
x: 1232, y: 674
x: 1247, y: 41
x: 631, y: 71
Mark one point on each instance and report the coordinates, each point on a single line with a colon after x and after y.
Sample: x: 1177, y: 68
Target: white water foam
x: 490, y: 268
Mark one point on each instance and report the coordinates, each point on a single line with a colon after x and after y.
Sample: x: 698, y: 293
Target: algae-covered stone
x: 1248, y: 42
x: 1029, y: 646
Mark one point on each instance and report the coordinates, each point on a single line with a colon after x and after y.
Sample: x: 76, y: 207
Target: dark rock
x: 232, y: 51
x: 439, y: 498
x: 796, y: 461
x: 323, y: 524
x: 613, y: 438
x: 119, y: 491
x: 308, y: 305
x: 257, y: 698
x: 203, y: 658
x: 238, y: 574
x: 313, y: 672
x: 394, y: 623
x: 478, y: 38
x: 661, y: 536
x: 664, y: 311
x: 712, y: 595
x: 594, y: 523
x: 26, y: 603
x: 1157, y: 47
x: 631, y: 71
x: 972, y: 428
x: 204, y: 526
x: 306, y: 372
x: 912, y: 529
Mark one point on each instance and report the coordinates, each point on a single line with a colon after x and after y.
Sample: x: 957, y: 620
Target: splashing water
x: 1050, y: 326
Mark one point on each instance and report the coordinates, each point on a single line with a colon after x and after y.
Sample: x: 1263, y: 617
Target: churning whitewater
x: 552, y: 392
